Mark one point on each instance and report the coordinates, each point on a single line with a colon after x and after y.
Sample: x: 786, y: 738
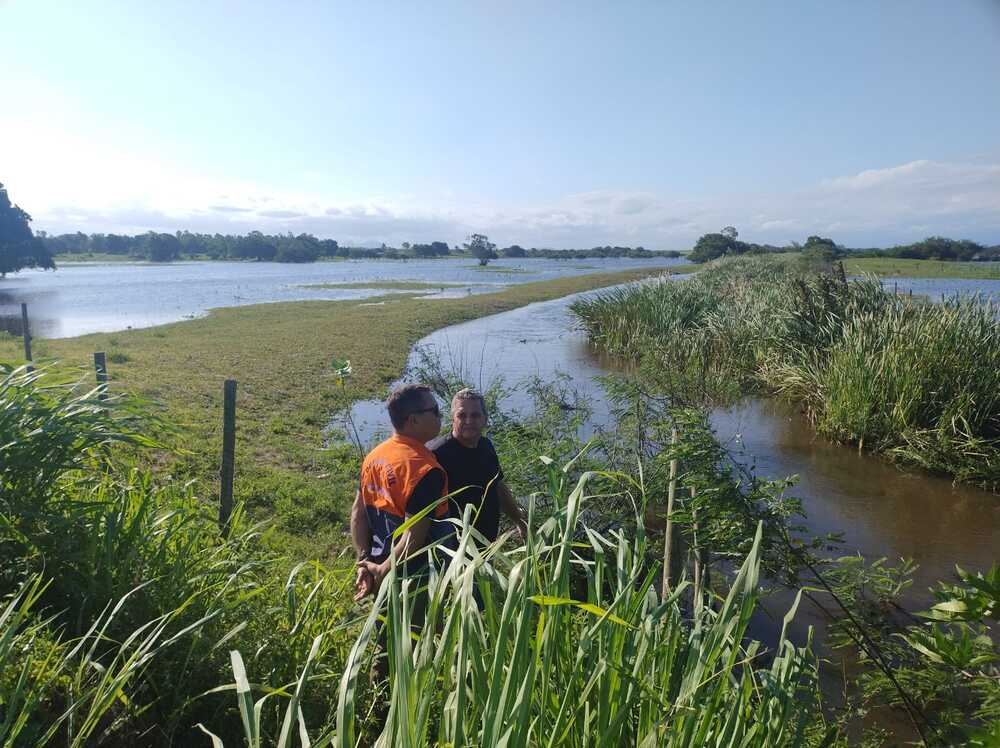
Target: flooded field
x: 82, y: 298
x: 881, y: 510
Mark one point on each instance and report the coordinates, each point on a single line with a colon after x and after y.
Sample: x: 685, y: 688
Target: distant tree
x: 19, y: 248
x: 481, y: 248
x: 712, y: 246
x: 254, y: 246
x: 298, y: 249
x: 730, y: 232
x: 329, y: 247
x: 513, y: 250
x: 440, y: 249
x: 820, y: 248
x: 423, y: 250
x: 160, y: 247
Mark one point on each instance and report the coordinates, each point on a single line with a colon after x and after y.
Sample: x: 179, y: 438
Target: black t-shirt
x: 475, y: 467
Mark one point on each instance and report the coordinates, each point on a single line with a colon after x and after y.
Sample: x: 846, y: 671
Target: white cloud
x: 69, y: 183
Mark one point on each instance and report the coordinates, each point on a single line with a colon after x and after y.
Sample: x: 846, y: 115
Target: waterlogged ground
x: 83, y: 298
x: 936, y: 288
x: 882, y: 511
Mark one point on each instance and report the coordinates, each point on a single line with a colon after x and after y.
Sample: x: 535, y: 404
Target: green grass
x: 280, y: 354
x: 102, y: 257
x: 897, y: 267
x: 390, y: 285
x: 127, y: 620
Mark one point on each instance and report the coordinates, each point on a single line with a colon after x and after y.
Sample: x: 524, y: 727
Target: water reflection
x: 83, y: 298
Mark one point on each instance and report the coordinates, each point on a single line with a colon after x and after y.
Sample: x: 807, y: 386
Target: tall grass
x: 917, y: 381
x: 574, y: 646
x: 118, y: 598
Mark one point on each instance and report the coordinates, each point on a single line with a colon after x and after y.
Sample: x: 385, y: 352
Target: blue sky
x: 542, y: 123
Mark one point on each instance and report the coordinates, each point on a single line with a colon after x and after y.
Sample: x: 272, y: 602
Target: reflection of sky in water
x: 535, y: 340
x: 82, y: 298
x: 936, y: 287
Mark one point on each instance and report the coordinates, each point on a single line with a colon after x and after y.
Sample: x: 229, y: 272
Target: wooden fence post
x: 669, y: 528
x: 228, y: 454
x: 26, y: 334
x: 101, y: 368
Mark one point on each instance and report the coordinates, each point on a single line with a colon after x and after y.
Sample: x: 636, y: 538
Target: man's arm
x: 412, y: 541
x: 361, y: 534
x: 511, y: 508
x: 361, y: 537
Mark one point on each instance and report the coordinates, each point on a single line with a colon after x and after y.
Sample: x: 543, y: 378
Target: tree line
x: 727, y: 243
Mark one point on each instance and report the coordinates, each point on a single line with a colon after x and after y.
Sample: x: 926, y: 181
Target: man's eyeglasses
x: 433, y: 409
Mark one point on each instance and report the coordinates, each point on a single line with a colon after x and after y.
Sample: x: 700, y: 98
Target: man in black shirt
x: 471, y: 463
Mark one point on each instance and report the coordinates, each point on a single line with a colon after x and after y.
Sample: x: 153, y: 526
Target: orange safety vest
x: 389, y: 475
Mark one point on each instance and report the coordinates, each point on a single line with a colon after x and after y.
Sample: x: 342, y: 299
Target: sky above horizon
x: 543, y: 124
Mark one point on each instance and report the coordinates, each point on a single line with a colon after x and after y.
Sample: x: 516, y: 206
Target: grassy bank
x: 918, y: 382
x: 280, y: 354
x: 390, y: 285
x: 889, y: 267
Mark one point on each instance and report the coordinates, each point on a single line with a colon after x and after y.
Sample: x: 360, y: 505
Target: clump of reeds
x: 545, y: 660
x: 917, y: 381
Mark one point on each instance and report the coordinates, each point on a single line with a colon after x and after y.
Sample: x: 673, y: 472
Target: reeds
x: 917, y: 381
x: 574, y: 646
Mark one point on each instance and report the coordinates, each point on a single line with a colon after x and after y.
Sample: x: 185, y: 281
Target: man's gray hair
x: 470, y: 394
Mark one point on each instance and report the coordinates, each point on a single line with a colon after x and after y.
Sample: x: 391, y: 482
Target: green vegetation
x: 819, y: 248
x: 19, y: 247
x: 119, y: 598
x: 918, y: 382
x: 280, y: 354
x: 559, y: 656
x: 896, y: 267
x: 132, y: 622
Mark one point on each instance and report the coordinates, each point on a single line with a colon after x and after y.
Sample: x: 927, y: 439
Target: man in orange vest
x: 399, y: 478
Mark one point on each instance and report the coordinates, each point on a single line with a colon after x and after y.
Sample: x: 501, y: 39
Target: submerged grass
x: 918, y: 382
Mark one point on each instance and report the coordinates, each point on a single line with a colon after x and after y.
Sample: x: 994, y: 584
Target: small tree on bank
x: 19, y: 247
x: 481, y: 248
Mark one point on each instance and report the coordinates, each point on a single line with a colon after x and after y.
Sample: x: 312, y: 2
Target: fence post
x: 228, y: 454
x: 101, y: 368
x: 669, y: 528
x: 26, y: 334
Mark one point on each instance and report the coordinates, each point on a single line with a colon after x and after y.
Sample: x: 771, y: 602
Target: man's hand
x: 364, y: 584
x: 369, y: 578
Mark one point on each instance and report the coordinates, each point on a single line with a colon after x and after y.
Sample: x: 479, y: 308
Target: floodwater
x: 881, y: 510
x: 81, y: 298
x: 935, y: 288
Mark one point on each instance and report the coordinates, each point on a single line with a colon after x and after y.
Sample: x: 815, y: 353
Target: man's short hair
x: 404, y: 401
x: 470, y: 394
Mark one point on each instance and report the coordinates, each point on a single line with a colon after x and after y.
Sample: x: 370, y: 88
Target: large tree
x: 712, y: 246
x: 481, y: 248
x: 19, y: 248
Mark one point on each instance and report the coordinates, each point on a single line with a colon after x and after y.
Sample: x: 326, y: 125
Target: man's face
x: 467, y: 421
x: 426, y: 421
